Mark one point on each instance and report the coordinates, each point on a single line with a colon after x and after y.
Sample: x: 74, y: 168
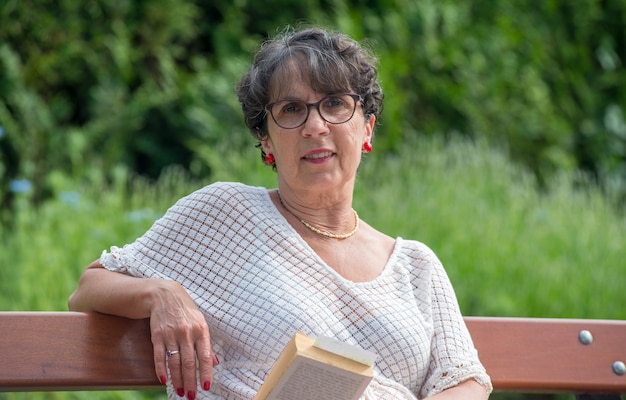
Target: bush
x: 85, y: 86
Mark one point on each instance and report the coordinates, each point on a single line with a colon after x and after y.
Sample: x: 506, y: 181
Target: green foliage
x: 108, y: 83
x: 543, y: 78
x: 540, y: 254
x: 84, y: 86
x: 110, y: 395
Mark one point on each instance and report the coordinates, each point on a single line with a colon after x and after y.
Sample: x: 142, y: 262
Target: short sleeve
x: 454, y: 358
x: 194, y: 236
x: 160, y: 251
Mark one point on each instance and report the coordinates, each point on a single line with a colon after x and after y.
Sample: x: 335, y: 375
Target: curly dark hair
x: 330, y: 62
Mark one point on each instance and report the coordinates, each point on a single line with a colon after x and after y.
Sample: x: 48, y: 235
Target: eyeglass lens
x: 335, y: 109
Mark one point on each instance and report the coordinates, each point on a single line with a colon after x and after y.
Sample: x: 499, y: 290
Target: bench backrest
x: 44, y: 351
x: 48, y: 351
x: 547, y: 355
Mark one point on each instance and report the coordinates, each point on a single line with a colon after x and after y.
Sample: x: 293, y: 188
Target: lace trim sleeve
x: 450, y: 377
x: 120, y: 260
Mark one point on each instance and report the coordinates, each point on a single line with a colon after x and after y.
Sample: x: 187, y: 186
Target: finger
x: 176, y: 374
x: 159, y: 349
x: 188, y: 368
x: 160, y: 364
x: 206, y: 362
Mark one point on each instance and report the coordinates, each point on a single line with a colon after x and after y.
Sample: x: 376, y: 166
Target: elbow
x: 72, y: 303
x: 78, y: 299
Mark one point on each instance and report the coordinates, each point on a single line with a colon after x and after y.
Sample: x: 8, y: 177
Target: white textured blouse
x: 258, y: 282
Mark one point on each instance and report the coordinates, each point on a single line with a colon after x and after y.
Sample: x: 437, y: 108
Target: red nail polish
x: 180, y: 392
x: 207, y: 386
x: 163, y: 380
x: 191, y: 395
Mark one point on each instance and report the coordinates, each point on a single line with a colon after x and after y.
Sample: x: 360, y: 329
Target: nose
x: 315, y: 124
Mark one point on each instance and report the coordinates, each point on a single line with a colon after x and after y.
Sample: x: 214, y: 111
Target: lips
x: 318, y: 155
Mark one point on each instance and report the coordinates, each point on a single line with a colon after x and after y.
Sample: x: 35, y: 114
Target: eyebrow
x: 289, y: 98
x: 295, y: 98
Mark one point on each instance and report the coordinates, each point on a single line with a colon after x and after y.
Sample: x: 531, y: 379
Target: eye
x: 334, y: 102
x: 292, y: 107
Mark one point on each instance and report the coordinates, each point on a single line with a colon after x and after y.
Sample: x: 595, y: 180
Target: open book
x: 325, y: 368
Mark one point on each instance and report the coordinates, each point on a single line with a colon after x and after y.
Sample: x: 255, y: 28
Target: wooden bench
x: 63, y: 351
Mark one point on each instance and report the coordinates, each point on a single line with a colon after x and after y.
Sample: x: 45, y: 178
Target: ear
x: 369, y: 128
x: 266, y: 145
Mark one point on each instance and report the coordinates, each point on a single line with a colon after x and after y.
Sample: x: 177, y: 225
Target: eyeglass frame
x: 357, y: 99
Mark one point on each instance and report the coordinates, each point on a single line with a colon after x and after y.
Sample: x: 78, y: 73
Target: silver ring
x: 170, y: 353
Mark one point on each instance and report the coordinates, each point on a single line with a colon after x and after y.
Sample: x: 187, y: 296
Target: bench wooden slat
x: 545, y: 355
x: 45, y: 351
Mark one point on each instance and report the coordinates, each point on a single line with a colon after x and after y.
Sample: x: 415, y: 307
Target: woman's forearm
x: 468, y: 390
x: 115, y: 293
x: 176, y: 323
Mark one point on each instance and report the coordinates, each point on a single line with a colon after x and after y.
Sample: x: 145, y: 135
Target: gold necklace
x: 321, y: 231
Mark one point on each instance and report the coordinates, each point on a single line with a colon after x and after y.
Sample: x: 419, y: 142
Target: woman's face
x: 317, y: 155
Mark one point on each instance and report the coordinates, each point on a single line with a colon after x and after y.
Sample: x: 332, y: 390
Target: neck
x: 319, y: 231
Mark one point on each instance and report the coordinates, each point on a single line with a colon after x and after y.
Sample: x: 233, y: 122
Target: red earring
x: 367, y: 147
x: 269, y: 159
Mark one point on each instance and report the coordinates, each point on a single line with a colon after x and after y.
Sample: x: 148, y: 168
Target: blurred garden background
x: 502, y: 144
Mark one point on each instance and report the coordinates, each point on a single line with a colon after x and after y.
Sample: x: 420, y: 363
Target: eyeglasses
x: 334, y: 109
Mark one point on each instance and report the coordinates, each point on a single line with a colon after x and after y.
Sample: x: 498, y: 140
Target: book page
x: 346, y: 350
x: 309, y: 379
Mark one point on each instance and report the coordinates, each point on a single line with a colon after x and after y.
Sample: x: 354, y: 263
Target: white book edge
x: 346, y: 350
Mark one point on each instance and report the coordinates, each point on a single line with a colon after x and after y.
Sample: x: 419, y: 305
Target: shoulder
x: 218, y: 200
x: 224, y: 193
x: 418, y: 262
x: 417, y: 253
x: 228, y: 190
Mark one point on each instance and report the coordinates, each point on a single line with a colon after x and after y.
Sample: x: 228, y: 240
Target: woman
x: 231, y: 271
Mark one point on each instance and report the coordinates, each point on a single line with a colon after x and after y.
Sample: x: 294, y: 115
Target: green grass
x: 509, y: 250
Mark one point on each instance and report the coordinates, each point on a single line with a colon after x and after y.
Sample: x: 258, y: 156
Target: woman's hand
x: 178, y: 326
x: 176, y: 323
